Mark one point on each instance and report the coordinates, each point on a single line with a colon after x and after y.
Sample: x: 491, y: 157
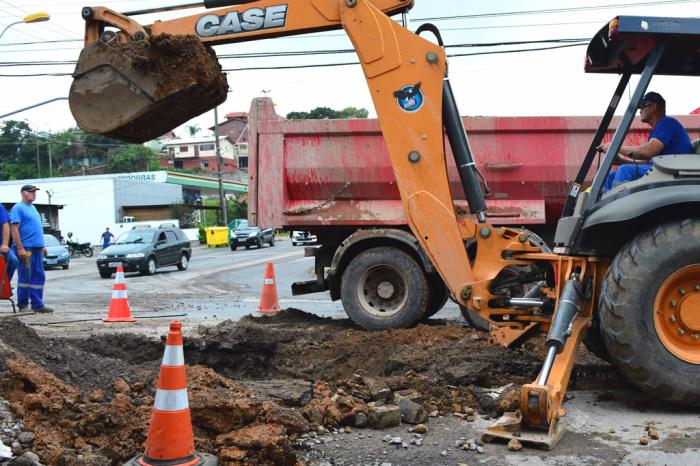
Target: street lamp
x: 37, y: 17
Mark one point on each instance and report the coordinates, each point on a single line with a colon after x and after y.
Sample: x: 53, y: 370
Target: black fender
x: 619, y: 219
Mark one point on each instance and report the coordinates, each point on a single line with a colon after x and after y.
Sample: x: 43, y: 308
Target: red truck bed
x: 315, y: 174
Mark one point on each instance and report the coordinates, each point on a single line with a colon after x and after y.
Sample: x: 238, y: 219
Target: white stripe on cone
x: 171, y: 400
x: 173, y: 356
x: 119, y: 278
x: 119, y: 294
x: 269, y: 281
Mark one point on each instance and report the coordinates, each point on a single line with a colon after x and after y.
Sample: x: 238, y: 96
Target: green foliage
x: 133, y: 159
x: 325, y: 113
x: 234, y: 209
x: 193, y: 130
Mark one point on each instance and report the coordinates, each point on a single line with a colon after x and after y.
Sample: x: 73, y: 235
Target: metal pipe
x: 536, y: 290
x: 547, y: 366
x: 163, y: 8
x: 456, y: 134
x: 527, y: 302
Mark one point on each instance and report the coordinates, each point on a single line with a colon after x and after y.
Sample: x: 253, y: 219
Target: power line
x: 325, y: 65
x: 309, y: 52
x: 552, y: 10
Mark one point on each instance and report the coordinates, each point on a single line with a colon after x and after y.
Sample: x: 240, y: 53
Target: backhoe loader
x: 625, y: 271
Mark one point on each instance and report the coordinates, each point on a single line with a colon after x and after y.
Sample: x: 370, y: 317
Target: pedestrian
x: 28, y: 235
x: 9, y: 254
x: 107, y: 238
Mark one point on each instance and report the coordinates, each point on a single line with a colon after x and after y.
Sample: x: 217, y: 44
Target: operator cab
x: 594, y: 223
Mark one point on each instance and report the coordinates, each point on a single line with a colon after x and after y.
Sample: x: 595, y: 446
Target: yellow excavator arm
x: 130, y: 84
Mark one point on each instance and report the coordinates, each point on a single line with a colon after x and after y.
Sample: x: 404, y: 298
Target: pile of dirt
x: 293, y: 373
x: 175, y: 62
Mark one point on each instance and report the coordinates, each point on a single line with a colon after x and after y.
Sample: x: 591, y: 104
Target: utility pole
x: 219, y: 165
x: 38, y: 167
x: 48, y: 146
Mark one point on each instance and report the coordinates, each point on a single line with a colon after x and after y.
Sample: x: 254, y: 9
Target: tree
x: 193, y: 130
x: 133, y: 158
x: 326, y: 113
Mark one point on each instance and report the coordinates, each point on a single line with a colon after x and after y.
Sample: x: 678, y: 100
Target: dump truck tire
x: 474, y: 319
x: 437, y: 298
x: 651, y: 290
x: 384, y: 288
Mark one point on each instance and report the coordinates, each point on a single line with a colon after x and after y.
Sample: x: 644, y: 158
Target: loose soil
x: 254, y: 385
x: 180, y: 75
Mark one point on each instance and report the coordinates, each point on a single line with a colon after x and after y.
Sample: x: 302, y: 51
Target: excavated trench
x: 255, y: 384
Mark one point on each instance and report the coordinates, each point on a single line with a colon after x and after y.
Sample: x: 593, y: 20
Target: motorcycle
x: 75, y: 248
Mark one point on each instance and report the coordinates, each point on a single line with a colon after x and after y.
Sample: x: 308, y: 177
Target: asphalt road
x: 219, y: 284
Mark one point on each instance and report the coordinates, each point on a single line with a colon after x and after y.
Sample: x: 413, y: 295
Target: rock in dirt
x: 26, y: 438
x: 378, y: 390
x: 412, y: 413
x: 383, y: 417
x: 412, y: 395
x: 420, y: 429
x: 515, y: 445
x: 27, y: 459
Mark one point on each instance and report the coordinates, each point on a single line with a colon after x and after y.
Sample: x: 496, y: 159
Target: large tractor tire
x: 438, y: 296
x: 384, y: 288
x: 650, y: 311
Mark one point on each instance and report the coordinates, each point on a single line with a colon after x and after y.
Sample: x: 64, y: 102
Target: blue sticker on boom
x: 410, y: 98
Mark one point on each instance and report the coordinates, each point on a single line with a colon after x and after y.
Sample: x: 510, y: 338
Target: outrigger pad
x: 141, y: 90
x: 509, y: 426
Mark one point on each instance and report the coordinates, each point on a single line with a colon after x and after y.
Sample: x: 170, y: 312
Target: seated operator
x: 667, y: 137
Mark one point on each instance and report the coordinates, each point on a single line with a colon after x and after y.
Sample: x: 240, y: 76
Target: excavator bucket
x: 140, y: 90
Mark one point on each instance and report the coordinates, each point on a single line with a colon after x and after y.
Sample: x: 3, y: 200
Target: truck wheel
x: 272, y: 241
x: 437, y: 296
x: 648, y: 306
x: 474, y: 319
x: 384, y: 288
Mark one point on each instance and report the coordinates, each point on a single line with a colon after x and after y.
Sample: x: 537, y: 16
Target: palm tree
x: 193, y: 129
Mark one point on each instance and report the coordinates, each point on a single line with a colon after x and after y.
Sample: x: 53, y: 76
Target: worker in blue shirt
x: 28, y: 235
x: 667, y: 136
x: 107, y: 238
x: 9, y: 254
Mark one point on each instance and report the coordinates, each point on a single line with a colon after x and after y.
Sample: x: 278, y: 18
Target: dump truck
x: 624, y: 272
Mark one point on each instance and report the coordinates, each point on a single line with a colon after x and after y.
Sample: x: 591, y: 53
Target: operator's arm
x: 630, y: 154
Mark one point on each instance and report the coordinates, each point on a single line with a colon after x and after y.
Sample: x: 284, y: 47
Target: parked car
x: 57, y: 255
x: 251, y: 236
x: 145, y: 250
x: 303, y: 237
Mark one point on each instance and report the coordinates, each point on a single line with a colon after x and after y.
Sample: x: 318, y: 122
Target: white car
x: 303, y: 237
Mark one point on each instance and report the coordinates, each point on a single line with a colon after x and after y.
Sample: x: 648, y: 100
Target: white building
x: 91, y: 203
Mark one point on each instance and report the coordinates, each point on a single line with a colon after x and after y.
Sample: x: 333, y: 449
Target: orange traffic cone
x: 119, y: 305
x: 169, y: 440
x: 268, y: 300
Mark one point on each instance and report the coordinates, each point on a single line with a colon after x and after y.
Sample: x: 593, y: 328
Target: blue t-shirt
x: 30, y: 230
x: 4, y: 218
x: 674, y: 137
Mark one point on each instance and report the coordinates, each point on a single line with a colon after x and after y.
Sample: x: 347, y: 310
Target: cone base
x: 201, y: 459
x: 118, y: 319
x: 274, y: 310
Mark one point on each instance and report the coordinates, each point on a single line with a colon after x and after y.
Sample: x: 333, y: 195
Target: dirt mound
x: 288, y: 316
x: 88, y: 364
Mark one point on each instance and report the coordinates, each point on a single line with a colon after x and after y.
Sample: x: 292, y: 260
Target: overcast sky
x: 534, y: 83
